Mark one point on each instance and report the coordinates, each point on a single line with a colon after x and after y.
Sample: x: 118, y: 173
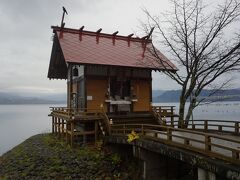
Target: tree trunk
x: 181, y: 111
x: 190, y: 111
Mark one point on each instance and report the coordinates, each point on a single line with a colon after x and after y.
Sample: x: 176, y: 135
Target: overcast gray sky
x: 25, y: 35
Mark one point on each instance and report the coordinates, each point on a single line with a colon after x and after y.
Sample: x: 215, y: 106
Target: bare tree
x: 201, y: 44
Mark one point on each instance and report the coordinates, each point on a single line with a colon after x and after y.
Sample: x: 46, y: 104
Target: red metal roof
x: 85, y: 47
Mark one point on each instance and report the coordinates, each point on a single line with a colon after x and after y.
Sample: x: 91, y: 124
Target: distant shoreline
x: 32, y: 103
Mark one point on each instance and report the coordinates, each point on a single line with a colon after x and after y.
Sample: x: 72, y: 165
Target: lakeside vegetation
x: 43, y: 156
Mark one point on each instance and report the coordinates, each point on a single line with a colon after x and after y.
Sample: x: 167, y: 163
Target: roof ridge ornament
x: 62, y: 22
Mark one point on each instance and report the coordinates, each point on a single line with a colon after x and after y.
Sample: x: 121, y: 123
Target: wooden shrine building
x: 103, y: 70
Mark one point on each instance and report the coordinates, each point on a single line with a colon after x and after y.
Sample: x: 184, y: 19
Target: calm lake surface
x: 19, y: 122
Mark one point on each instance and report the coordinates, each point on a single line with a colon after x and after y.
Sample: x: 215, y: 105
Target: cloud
x: 25, y: 45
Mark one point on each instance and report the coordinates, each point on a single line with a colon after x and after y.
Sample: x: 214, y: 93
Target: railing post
x: 169, y: 134
x: 219, y: 127
x: 72, y: 133
x: 142, y: 129
x: 193, y: 126
x: 53, y: 124
x: 186, y: 141
x: 236, y: 127
x: 205, y: 125
x: 207, y: 143
x: 172, y: 117
x: 235, y: 155
x: 62, y: 135
x: 58, y: 127
x: 124, y: 130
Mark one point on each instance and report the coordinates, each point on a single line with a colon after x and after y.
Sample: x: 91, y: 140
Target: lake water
x: 215, y: 111
x: 19, y: 122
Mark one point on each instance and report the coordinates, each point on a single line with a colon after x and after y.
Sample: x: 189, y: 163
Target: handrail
x: 218, y: 146
x: 222, y: 126
x: 161, y: 113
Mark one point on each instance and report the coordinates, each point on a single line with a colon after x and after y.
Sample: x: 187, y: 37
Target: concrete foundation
x: 205, y: 175
x: 158, y: 167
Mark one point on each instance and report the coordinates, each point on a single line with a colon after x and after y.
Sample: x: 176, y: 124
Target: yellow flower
x: 132, y: 136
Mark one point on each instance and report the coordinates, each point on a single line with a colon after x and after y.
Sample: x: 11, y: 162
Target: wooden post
x: 67, y: 129
x: 236, y: 127
x: 58, y: 127
x: 186, y: 141
x: 124, y: 130
x: 235, y: 155
x: 72, y: 134
x: 206, y: 125
x: 219, y: 127
x: 169, y: 134
x: 53, y: 124
x: 172, y: 117
x: 207, y: 143
x: 142, y: 129
x: 62, y: 133
x: 96, y: 131
x: 193, y: 126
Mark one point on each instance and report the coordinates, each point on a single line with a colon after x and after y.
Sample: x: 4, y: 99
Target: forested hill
x: 158, y: 96
x: 12, y: 98
x: 221, y: 95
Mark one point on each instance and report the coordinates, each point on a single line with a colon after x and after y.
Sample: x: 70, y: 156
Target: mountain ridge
x: 221, y: 95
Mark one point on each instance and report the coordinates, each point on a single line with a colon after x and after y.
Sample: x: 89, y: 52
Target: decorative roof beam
x: 80, y: 34
x: 81, y: 28
x: 115, y: 33
x: 97, y: 37
x: 129, y: 37
x: 98, y: 31
x: 114, y: 36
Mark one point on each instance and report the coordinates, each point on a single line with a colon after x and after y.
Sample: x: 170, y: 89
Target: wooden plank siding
x: 142, y: 90
x: 96, y: 88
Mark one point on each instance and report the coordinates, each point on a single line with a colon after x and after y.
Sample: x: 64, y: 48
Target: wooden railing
x: 217, y: 146
x: 164, y: 110
x: 220, y: 126
x: 74, y: 113
x: 216, y: 125
x: 162, y: 113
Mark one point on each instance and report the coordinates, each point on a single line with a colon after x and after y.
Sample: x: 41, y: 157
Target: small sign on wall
x: 89, y: 98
